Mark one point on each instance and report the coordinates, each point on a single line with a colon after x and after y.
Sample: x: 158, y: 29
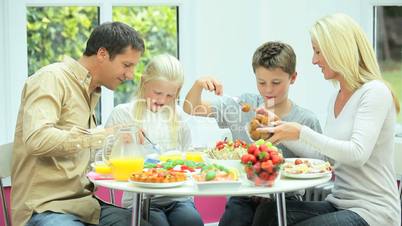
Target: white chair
x: 397, y: 162
x: 5, y: 171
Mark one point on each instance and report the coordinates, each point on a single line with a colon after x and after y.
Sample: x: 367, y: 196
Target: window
x: 158, y: 25
x: 53, y: 32
x: 388, y: 43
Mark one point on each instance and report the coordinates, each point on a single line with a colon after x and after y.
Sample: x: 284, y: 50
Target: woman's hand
x: 282, y: 131
x: 210, y: 84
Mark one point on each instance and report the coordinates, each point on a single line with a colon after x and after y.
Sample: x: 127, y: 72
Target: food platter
x: 157, y: 185
x: 305, y: 168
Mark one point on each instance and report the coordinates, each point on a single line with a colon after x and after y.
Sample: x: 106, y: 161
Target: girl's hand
x: 210, y: 84
x: 140, y: 136
x: 283, y: 131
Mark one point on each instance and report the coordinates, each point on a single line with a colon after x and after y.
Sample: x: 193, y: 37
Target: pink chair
x: 5, y: 171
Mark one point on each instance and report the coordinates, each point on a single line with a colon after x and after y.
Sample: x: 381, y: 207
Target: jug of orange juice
x: 124, y: 154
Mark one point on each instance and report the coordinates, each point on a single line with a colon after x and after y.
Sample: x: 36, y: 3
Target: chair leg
x: 400, y: 188
x: 4, y: 202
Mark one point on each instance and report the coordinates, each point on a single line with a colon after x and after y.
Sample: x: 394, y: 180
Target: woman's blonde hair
x: 347, y: 51
x: 162, y: 67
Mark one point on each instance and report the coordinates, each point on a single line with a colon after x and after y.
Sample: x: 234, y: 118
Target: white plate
x: 305, y: 175
x: 214, y: 185
x: 157, y: 185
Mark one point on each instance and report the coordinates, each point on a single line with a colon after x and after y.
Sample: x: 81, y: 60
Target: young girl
x: 154, y: 111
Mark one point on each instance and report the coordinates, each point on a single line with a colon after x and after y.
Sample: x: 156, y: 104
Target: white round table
x: 281, y: 186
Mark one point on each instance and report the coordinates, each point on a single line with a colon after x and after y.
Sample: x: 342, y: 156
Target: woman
x: 358, y: 135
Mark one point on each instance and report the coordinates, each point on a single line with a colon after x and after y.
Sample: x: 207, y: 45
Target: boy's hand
x: 210, y: 84
x: 271, y: 116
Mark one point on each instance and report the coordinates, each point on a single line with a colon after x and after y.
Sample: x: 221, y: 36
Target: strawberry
x: 275, y: 159
x: 257, y: 153
x: 219, y: 143
x: 263, y: 156
x: 264, y: 175
x: 257, y: 167
x: 251, y: 149
x: 253, y: 159
x: 267, y: 165
x: 263, y: 148
x: 244, y: 159
x: 298, y: 161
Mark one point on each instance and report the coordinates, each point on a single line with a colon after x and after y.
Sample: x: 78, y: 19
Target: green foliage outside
x: 53, y: 32
x: 158, y: 26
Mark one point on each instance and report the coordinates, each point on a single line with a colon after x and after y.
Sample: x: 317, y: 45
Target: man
x: 56, y: 132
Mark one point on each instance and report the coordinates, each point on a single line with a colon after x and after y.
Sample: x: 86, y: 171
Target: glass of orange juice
x: 103, y: 168
x: 195, y: 156
x: 122, y: 168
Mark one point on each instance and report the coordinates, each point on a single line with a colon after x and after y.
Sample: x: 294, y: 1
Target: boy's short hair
x: 272, y: 55
x: 115, y: 37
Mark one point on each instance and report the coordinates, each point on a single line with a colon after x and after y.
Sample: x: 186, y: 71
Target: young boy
x: 274, y: 65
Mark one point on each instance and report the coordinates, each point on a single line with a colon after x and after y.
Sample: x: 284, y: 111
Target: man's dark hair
x: 115, y: 37
x: 272, y: 55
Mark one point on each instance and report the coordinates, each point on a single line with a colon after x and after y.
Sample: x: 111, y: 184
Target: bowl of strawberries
x: 262, y: 163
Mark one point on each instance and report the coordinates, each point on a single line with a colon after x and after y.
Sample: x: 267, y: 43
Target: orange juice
x: 123, y: 168
x: 194, y: 156
x: 102, y: 168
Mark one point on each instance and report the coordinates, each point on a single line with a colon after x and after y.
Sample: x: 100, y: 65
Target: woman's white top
x: 361, y: 141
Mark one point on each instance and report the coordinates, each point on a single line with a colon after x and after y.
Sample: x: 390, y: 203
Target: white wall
x: 310, y: 90
x: 2, y: 75
x: 226, y: 38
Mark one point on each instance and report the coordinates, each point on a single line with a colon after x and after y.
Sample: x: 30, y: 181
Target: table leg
x: 281, y: 208
x: 111, y: 195
x: 136, y: 210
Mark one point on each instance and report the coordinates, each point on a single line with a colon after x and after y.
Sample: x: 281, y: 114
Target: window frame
x: 369, y: 14
x: 15, y: 48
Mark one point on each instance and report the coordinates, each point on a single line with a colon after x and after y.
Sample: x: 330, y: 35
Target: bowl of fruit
x: 262, y: 163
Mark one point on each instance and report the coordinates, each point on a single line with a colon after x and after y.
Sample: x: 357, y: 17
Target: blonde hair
x: 347, y: 51
x: 166, y: 68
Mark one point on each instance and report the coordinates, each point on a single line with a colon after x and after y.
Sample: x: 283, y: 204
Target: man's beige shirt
x: 52, y: 144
